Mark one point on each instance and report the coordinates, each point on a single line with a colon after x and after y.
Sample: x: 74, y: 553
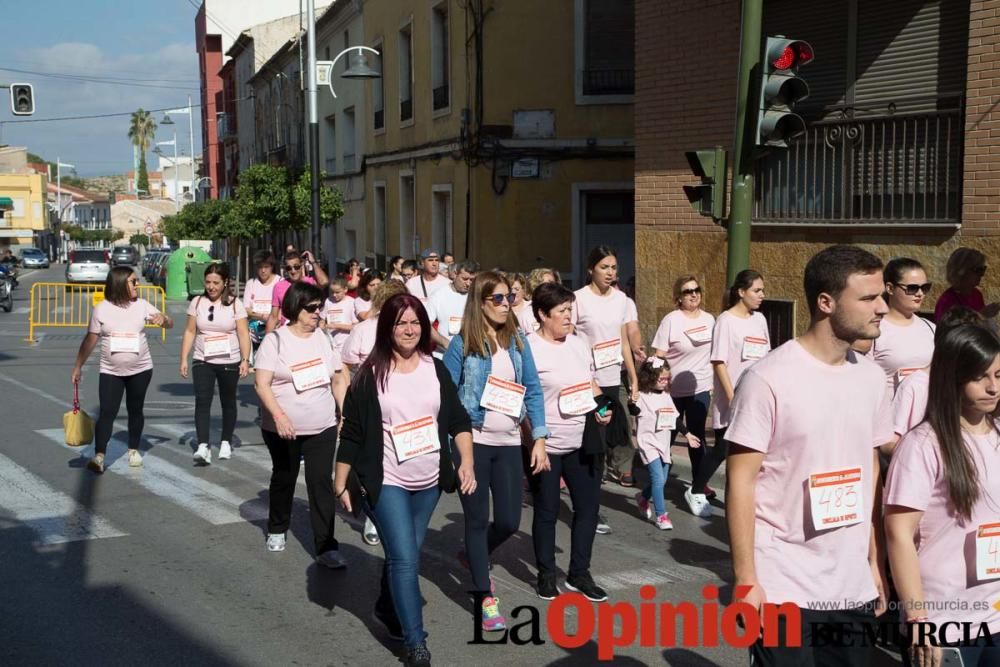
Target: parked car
x: 124, y: 255
x: 87, y: 266
x: 148, y: 260
x: 33, y: 258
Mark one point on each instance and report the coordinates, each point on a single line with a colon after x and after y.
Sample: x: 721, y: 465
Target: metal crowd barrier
x: 69, y: 305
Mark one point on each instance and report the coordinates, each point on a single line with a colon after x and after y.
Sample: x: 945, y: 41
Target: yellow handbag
x: 77, y: 424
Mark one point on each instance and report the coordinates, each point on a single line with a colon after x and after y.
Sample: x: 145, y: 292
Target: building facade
x: 27, y: 222
x: 899, y: 155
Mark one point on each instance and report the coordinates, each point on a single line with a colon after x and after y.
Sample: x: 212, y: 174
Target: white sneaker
x: 698, y: 504
x: 203, y: 454
x: 134, y: 459
x: 225, y: 451
x: 331, y: 559
x: 275, y: 541
x: 370, y: 533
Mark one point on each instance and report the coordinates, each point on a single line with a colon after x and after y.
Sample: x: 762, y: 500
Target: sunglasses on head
x: 912, y: 289
x: 498, y: 299
x: 311, y: 308
x: 293, y: 267
x: 691, y: 291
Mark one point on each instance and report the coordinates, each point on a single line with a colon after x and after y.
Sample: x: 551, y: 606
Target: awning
x: 15, y: 233
x: 6, y: 204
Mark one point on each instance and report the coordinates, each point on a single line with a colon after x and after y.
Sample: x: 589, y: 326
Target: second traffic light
x: 22, y: 99
x: 780, y: 89
x: 709, y: 198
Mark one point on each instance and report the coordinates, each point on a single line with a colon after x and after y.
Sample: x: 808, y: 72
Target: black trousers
x: 583, y: 479
x: 819, y: 630
x: 110, y: 389
x: 694, y: 411
x: 620, y: 451
x: 498, y: 471
x: 710, y: 461
x: 205, y: 376
x: 317, y: 450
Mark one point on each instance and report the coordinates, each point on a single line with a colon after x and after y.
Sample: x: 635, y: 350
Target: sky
x: 147, y: 46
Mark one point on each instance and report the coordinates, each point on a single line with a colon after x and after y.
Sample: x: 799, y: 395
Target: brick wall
x: 687, y: 53
x: 981, y: 192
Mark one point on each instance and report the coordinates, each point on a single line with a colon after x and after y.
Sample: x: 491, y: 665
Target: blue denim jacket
x: 470, y: 373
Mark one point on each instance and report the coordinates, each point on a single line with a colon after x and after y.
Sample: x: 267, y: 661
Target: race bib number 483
x: 503, y: 396
x: 836, y: 498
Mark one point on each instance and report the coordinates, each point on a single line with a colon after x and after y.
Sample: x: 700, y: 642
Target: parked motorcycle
x: 6, y: 292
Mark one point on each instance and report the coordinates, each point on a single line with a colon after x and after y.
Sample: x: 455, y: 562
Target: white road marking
x: 212, y: 502
x: 54, y: 516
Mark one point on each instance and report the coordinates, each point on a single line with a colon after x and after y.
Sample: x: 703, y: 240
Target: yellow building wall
x: 29, y: 189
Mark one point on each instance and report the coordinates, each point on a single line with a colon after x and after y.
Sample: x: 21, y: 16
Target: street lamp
x: 190, y: 116
x: 59, y: 207
x: 197, y: 184
x: 172, y: 142
x: 359, y: 69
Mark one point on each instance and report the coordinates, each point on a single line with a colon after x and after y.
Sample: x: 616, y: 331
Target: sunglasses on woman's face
x: 498, y: 299
x: 912, y: 289
x: 691, y: 292
x: 311, y: 308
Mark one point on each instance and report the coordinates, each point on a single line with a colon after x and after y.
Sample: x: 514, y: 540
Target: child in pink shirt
x: 339, y: 314
x: 656, y: 422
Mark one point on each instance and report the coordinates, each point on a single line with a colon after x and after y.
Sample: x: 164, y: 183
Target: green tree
x: 142, y: 131
x: 331, y: 202
x: 139, y: 240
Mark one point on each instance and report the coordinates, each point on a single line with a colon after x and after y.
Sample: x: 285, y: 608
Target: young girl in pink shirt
x: 942, y: 501
x: 655, y: 424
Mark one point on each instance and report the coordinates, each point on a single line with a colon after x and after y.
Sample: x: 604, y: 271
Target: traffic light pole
x: 741, y: 202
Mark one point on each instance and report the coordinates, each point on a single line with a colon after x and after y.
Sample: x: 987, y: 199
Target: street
x: 166, y: 564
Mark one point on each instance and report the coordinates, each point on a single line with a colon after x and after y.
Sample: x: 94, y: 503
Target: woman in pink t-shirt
x: 964, y: 271
x: 217, y: 330
x: 119, y: 324
x: 301, y: 383
x: 569, y: 383
x: 907, y: 340
x: 400, y: 412
x: 942, y: 500
x: 684, y: 339
x: 369, y: 284
x: 739, y: 340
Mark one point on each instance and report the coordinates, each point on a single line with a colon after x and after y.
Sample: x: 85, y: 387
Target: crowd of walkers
x: 864, y: 451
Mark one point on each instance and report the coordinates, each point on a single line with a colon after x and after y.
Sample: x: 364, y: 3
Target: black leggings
x: 710, y: 461
x: 110, y: 389
x: 205, y: 376
x: 583, y: 479
x: 694, y: 411
x: 498, y: 469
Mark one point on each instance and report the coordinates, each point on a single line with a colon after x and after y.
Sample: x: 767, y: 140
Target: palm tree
x: 141, y: 132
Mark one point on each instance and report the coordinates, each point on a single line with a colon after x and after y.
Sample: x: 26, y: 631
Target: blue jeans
x: 401, y: 518
x: 658, y: 473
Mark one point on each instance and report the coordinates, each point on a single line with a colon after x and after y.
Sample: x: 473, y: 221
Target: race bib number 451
x: 836, y: 498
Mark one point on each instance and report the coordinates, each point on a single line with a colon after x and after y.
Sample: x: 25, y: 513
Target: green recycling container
x: 177, y: 274
x: 196, y: 278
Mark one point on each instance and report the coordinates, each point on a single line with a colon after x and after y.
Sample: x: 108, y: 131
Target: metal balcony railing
x: 608, y: 81
x: 874, y: 170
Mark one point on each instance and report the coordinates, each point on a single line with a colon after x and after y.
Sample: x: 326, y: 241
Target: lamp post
x: 323, y: 70
x: 190, y: 115
x: 59, y: 207
x: 197, y: 185
x: 172, y: 142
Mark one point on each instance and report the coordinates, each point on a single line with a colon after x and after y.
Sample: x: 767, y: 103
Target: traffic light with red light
x: 22, y: 99
x: 780, y: 89
x: 709, y: 198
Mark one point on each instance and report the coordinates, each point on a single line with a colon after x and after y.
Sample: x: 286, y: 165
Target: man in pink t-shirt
x: 296, y: 266
x: 805, y: 426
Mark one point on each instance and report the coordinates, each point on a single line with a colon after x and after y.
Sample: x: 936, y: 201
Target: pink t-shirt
x: 901, y: 350
x: 313, y: 410
x: 361, y: 307
x: 910, y: 402
x: 109, y: 322
x: 279, y: 291
x: 258, y: 298
x: 223, y: 323
x: 407, y: 398
x: 360, y: 342
x: 499, y: 430
x: 561, y: 366
x: 599, y: 319
x: 946, y: 543
x: 808, y: 418
x: 687, y: 342
x: 730, y: 346
x: 526, y: 321
x: 950, y: 298
x: 653, y: 443
x: 341, y: 312
x: 416, y: 288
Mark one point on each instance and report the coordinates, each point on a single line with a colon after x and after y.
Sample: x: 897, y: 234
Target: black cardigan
x: 361, y: 441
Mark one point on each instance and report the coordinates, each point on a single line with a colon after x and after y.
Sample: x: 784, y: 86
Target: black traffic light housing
x: 780, y: 89
x: 22, y: 99
x: 710, y: 165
